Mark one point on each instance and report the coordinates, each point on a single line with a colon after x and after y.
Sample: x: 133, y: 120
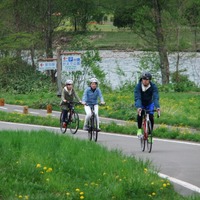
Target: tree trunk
x: 161, y: 46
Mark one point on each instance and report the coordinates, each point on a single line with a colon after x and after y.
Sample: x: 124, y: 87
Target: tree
x: 147, y: 23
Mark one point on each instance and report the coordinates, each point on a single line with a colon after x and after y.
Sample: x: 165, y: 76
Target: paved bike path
x: 42, y: 112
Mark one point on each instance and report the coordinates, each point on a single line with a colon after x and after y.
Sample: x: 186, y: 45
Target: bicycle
x: 92, y: 125
x: 147, y: 137
x: 73, y: 120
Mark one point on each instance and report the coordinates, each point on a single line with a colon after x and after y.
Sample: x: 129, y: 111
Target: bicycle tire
x: 143, y: 137
x: 94, y: 130
x: 73, y: 124
x: 150, y: 138
x: 62, y: 129
x: 89, y: 130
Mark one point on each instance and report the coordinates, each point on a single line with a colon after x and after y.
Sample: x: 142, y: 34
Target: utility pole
x: 58, y: 66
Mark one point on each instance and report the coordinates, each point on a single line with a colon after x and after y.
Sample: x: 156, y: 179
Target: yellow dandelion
x: 45, y: 168
x: 67, y: 193
x: 26, y: 197
x: 38, y: 165
x: 153, y: 193
x: 164, y: 185
x: 81, y: 193
x: 145, y: 170
x: 20, y: 196
x: 77, y: 190
x: 49, y: 169
x: 81, y: 197
x: 168, y: 184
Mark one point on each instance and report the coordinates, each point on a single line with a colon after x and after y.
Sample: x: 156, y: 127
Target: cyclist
x: 146, y: 97
x: 68, y: 95
x: 90, y: 97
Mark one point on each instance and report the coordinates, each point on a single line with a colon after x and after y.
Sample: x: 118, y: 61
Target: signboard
x: 47, y: 65
x: 71, y: 62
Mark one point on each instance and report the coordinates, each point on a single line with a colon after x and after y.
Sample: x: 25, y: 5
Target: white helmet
x: 93, y: 80
x: 68, y: 82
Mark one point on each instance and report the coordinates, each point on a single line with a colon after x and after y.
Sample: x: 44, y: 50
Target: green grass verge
x: 44, y: 165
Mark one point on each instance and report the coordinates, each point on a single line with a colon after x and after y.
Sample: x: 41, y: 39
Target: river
x: 121, y: 66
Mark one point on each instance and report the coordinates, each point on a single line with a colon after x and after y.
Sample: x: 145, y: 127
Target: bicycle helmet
x: 146, y: 75
x: 68, y: 82
x: 93, y: 80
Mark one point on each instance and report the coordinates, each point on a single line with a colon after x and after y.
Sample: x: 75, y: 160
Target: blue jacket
x: 91, y: 97
x: 151, y: 95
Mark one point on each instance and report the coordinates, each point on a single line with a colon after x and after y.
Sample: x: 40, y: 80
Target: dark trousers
x: 65, y: 115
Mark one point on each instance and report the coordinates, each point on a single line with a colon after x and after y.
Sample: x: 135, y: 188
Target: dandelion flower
x: 153, y: 193
x: 77, y: 190
x: 49, y: 169
x: 45, y: 168
x: 67, y: 193
x: 81, y: 193
x: 38, y: 165
x: 26, y: 197
x: 81, y: 197
x: 164, y: 185
x: 20, y: 196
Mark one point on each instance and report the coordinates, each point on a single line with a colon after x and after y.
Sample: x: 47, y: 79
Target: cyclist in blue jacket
x: 90, y: 97
x: 146, y: 97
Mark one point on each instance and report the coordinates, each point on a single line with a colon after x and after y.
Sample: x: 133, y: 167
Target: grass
x: 44, y: 165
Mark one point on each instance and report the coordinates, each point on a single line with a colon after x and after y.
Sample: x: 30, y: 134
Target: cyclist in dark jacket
x: 146, y: 97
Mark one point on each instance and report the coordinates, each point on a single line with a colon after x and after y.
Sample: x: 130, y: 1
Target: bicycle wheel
x: 90, y: 129
x: 94, y: 130
x: 143, y: 137
x: 73, y: 123
x: 62, y: 129
x: 150, y: 138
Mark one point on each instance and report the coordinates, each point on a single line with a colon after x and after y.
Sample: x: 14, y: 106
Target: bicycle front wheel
x: 150, y: 138
x: 73, y: 123
x: 94, y: 130
x: 62, y: 128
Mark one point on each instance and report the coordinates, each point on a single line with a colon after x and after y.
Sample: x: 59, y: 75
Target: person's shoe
x: 139, y: 133
x: 64, y: 125
x: 98, y: 129
x: 86, y: 128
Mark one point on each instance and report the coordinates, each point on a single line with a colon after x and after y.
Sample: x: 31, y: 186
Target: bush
x: 20, y: 78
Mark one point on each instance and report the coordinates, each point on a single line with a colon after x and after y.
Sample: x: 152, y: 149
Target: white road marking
x: 174, y: 180
x: 4, y: 108
x: 182, y: 183
x: 18, y: 110
x: 36, y: 113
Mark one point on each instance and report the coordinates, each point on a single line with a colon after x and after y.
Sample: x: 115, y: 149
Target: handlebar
x: 148, y: 111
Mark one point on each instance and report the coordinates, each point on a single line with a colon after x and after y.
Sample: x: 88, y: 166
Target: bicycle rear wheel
x: 94, y: 130
x: 73, y: 122
x: 150, y: 138
x: 90, y: 129
x: 62, y: 128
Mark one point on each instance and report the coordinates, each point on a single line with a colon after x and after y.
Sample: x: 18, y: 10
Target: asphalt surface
x: 178, y: 161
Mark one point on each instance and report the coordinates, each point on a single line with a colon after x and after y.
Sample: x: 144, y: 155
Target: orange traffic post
x: 2, y: 102
x: 25, y: 110
x: 49, y: 108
